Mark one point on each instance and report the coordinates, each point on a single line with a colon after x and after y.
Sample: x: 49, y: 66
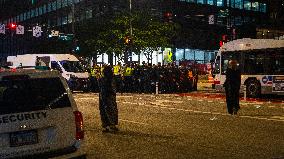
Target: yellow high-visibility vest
x: 117, y: 70
x: 190, y: 74
x: 128, y: 71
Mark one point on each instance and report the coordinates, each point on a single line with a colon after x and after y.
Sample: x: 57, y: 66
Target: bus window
x: 254, y: 63
x: 276, y: 62
x: 226, y: 57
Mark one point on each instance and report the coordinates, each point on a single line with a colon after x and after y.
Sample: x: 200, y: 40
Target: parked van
x: 68, y: 65
x: 36, y: 123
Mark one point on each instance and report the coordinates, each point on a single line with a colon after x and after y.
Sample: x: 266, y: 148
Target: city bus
x: 261, y: 62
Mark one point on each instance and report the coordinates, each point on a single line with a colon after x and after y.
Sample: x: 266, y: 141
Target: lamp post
x: 129, y: 52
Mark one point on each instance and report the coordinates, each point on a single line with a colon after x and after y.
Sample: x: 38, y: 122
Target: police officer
x: 128, y: 73
x: 117, y: 70
x: 94, y: 77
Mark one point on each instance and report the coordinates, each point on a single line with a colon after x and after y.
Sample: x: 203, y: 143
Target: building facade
x: 205, y: 24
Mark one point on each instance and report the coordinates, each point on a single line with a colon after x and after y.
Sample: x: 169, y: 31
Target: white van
x: 69, y: 66
x: 38, y: 116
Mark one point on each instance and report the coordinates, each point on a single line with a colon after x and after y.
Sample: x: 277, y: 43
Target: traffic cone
x: 210, y: 78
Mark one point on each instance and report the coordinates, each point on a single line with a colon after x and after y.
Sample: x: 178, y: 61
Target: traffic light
x: 13, y: 26
x: 223, y: 40
x: 168, y: 17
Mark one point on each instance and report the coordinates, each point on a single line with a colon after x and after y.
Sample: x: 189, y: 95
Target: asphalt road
x: 184, y: 127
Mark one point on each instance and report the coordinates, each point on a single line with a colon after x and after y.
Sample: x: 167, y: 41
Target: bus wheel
x: 253, y: 88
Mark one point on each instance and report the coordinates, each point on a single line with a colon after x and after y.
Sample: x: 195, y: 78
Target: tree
x: 109, y: 36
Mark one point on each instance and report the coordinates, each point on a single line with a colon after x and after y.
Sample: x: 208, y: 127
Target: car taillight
x: 79, y: 125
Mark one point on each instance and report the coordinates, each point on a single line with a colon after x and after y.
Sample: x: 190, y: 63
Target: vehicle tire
x: 253, y: 88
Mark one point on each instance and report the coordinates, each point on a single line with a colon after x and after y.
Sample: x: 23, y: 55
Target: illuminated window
x: 247, y: 5
x: 210, y: 2
x: 49, y: 8
x: 255, y: 6
x: 64, y: 3
x: 239, y: 4
x: 220, y: 2
x: 59, y: 4
x: 200, y: 1
x: 262, y: 7
x: 54, y: 5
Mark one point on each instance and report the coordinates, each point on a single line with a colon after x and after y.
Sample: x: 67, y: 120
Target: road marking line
x: 210, y: 101
x: 135, y: 122
x: 87, y: 98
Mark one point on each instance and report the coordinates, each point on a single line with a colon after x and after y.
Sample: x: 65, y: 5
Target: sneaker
x: 106, y: 130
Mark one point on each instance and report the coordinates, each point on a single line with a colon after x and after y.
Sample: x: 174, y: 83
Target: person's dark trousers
x: 94, y: 84
x: 127, y: 84
x: 232, y: 99
x: 118, y: 83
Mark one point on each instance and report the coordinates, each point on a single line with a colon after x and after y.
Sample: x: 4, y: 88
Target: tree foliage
x: 149, y: 34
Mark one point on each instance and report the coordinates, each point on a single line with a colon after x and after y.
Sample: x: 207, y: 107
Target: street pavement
x: 184, y: 126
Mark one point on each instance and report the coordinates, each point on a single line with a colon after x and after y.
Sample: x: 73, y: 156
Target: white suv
x: 38, y: 116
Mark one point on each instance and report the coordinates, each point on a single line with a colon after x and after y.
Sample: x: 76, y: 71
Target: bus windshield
x: 72, y: 66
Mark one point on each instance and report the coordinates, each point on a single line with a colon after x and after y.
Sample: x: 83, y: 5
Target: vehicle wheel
x: 253, y: 88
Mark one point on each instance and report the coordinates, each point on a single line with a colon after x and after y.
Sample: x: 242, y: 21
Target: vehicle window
x: 26, y: 94
x: 55, y: 66
x: 72, y: 66
x: 226, y: 57
x: 255, y: 62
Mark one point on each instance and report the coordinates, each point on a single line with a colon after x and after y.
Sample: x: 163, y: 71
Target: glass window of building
x: 70, y: 17
x: 36, y: 12
x: 32, y: 13
x: 220, y: 2
x: 69, y: 2
x: 64, y: 3
x: 239, y: 4
x: 199, y: 56
x: 210, y: 2
x: 189, y: 54
x: 64, y: 20
x: 254, y: 6
x: 247, y: 5
x: 179, y: 54
x: 49, y: 7
x: 28, y: 14
x: 40, y: 11
x: 54, y: 6
x: 200, y: 1
x: 59, y: 4
x: 192, y: 1
x: 89, y: 14
x: 44, y: 9
x: 262, y: 7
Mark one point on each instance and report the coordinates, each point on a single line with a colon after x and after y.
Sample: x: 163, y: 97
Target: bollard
x: 157, y: 88
x: 245, y: 92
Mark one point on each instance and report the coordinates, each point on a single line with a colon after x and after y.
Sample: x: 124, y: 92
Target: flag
x: 2, y: 29
x: 211, y: 19
x: 54, y: 33
x: 20, y: 29
x: 37, y: 31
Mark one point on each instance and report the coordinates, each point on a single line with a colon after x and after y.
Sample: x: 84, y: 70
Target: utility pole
x: 73, y: 26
